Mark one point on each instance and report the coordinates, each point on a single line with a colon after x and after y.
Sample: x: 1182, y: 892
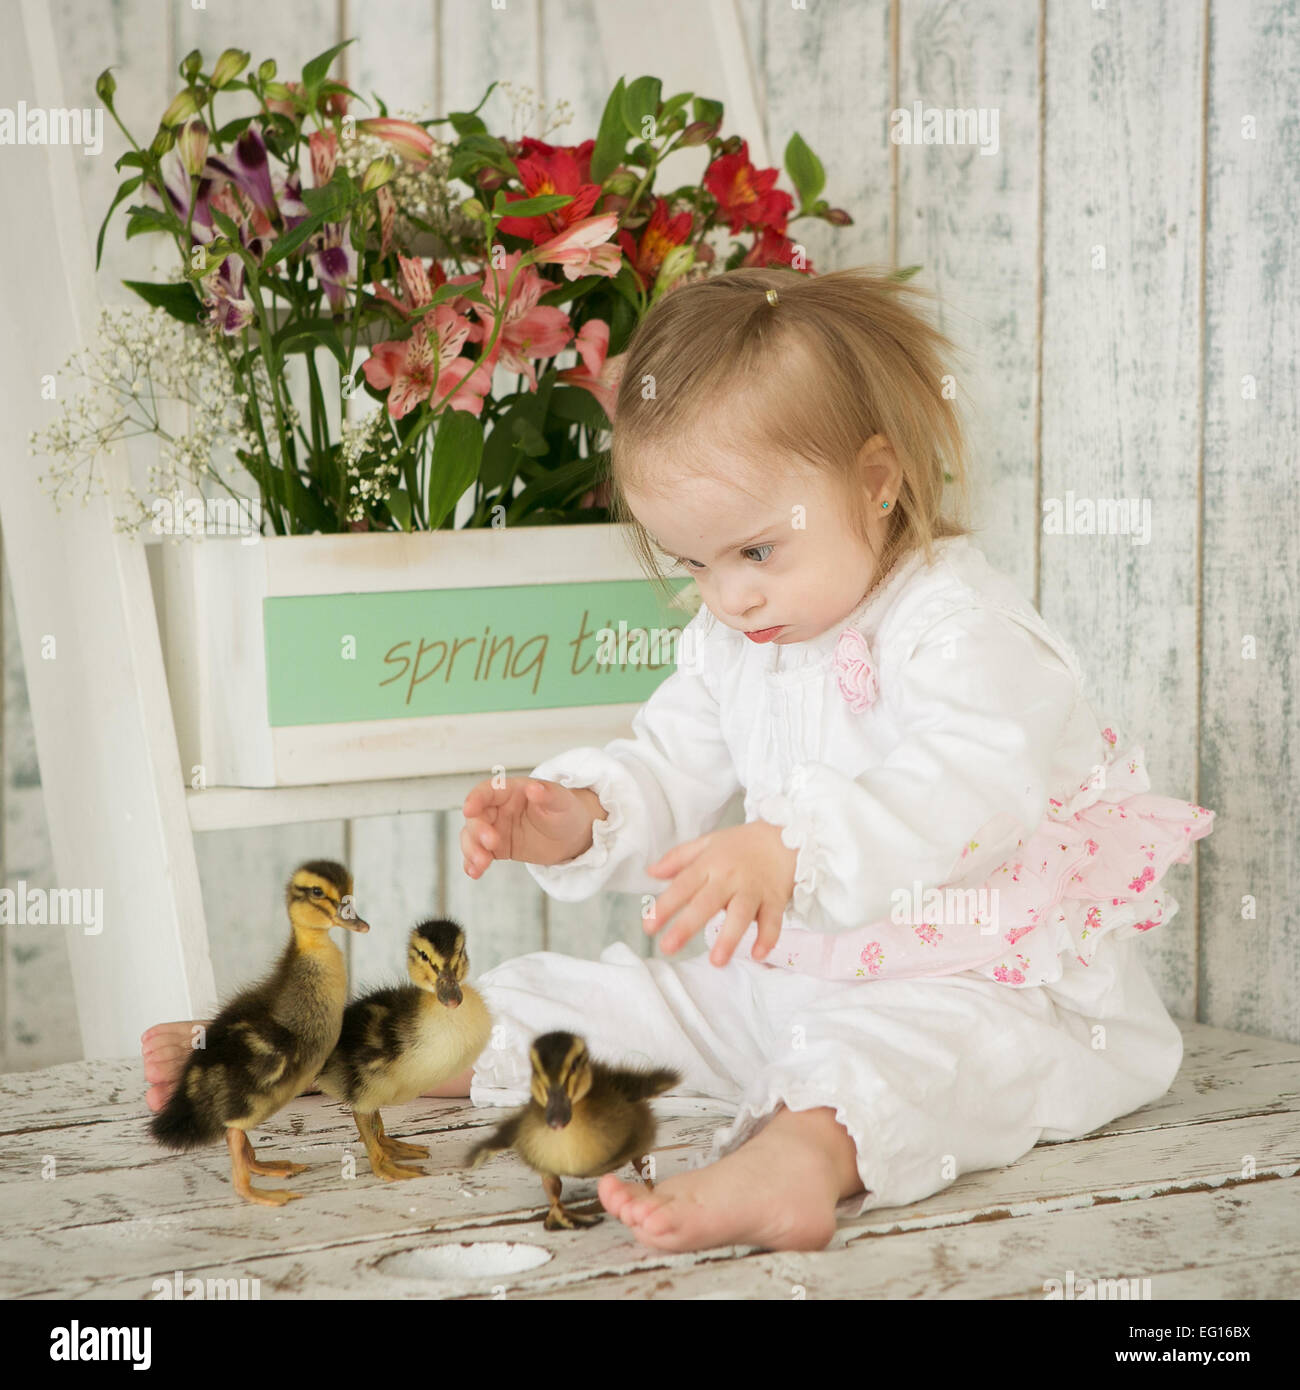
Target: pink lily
x: 406, y: 369
x: 528, y: 330
x: 324, y: 146
x: 596, y: 373
x: 411, y: 141
x: 579, y: 249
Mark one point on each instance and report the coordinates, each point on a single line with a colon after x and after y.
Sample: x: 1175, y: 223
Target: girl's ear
x: 879, y: 466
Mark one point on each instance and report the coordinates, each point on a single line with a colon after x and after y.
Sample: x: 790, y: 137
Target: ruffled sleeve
x: 668, y: 783
x: 982, y: 704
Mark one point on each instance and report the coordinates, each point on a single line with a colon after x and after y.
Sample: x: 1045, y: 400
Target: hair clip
x: 771, y: 296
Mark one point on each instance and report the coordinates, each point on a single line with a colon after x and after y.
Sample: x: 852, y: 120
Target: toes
x: 161, y: 1069
x: 157, y: 1096
x: 614, y: 1194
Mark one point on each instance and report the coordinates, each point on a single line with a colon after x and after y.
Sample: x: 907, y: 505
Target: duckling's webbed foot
x: 383, y: 1164
x: 242, y: 1166
x: 397, y: 1148
x: 267, y: 1168
x: 560, y: 1219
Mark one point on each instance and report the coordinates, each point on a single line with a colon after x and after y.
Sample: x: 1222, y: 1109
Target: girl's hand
x: 748, y: 869
x: 527, y: 818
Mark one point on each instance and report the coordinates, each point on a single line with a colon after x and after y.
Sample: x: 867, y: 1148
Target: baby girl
x: 923, y: 949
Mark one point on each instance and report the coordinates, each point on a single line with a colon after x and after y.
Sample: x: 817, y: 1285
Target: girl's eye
x: 750, y: 550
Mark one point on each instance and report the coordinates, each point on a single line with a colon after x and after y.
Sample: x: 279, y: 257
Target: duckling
x: 398, y: 1043
x: 270, y: 1041
x: 584, y: 1119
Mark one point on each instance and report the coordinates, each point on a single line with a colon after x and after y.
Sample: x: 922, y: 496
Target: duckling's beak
x: 351, y: 923
x: 448, y: 991
x: 559, y: 1109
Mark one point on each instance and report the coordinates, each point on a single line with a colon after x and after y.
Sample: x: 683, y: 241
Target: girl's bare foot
x: 165, y: 1048
x: 778, y: 1190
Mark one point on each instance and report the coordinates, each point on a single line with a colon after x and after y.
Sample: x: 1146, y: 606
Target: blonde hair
x: 839, y: 358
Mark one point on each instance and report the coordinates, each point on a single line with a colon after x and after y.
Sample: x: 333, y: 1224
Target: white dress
x: 958, y: 972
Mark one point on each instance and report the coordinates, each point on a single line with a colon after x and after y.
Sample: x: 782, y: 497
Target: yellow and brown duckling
x: 398, y: 1043
x: 271, y: 1040
x: 584, y: 1119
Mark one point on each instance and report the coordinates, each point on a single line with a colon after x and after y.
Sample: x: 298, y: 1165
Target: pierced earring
x: 884, y: 504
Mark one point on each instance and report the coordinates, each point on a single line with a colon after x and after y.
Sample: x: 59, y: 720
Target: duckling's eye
x: 316, y: 890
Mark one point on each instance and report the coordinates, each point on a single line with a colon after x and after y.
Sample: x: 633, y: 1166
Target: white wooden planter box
x: 227, y: 680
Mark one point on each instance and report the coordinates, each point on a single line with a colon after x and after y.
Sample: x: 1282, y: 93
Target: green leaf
x: 335, y: 198
x: 225, y: 225
x: 232, y: 130
x: 622, y: 320
x: 905, y: 273
x: 530, y: 439
x: 177, y: 299
x: 459, y: 118
x: 291, y: 241
x: 640, y: 100
x: 457, y: 451
x: 136, y: 159
x: 555, y: 487
x: 706, y: 109
x: 571, y: 289
x: 463, y: 123
x: 579, y: 406
x: 674, y: 104
x: 313, y: 73
x: 529, y: 207
x: 329, y: 89
x: 625, y: 283
x: 474, y: 151
x: 399, y: 508
x: 805, y: 169
x: 124, y: 191
x: 610, y: 138
x: 148, y: 220
x: 311, y: 334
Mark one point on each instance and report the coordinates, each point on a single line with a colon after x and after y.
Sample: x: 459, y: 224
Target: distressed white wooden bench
x: 1198, y: 1193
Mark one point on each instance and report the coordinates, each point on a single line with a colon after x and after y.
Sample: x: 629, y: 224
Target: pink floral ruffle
x: 1092, y: 868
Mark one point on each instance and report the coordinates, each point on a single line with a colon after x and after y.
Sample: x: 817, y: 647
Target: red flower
x: 658, y: 237
x: 550, y: 169
x: 597, y: 373
x: 774, y: 248
x: 746, y: 194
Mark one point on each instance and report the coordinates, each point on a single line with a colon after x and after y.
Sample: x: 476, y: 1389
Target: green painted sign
x: 335, y: 658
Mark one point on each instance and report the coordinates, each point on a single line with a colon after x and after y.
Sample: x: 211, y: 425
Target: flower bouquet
x: 479, y: 291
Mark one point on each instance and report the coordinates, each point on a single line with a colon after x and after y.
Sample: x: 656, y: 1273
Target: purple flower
x: 246, y: 165
x: 335, y: 264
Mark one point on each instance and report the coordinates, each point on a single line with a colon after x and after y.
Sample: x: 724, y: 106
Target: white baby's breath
x: 142, y: 362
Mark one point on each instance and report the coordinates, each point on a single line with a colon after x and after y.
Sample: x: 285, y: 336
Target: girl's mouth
x: 764, y: 634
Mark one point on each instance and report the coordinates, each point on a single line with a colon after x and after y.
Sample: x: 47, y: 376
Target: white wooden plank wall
x: 1121, y: 278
